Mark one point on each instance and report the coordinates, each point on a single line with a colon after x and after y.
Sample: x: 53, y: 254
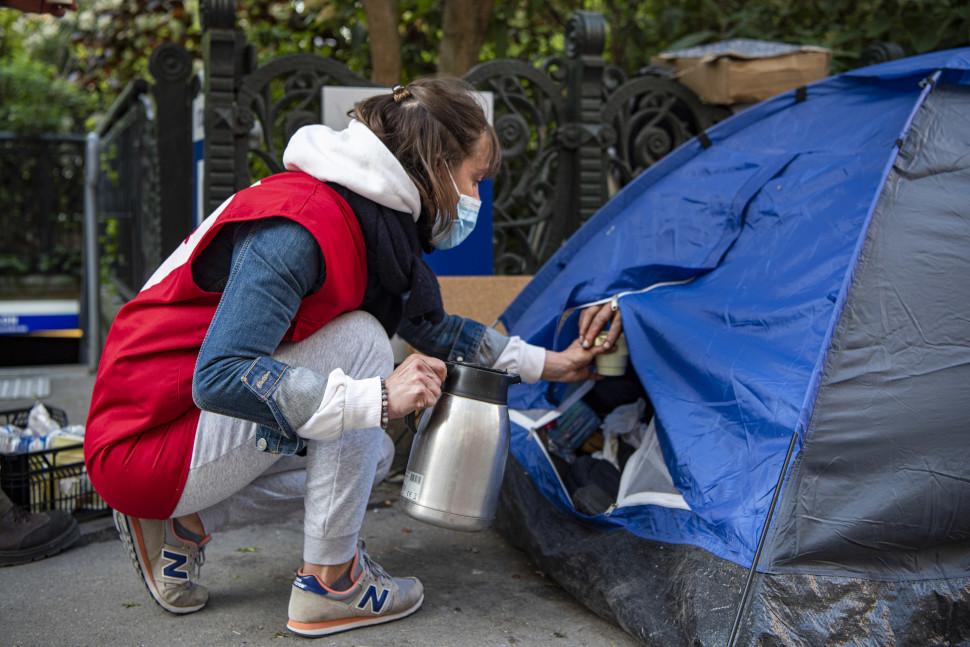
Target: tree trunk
x: 464, y: 23
x: 385, y: 41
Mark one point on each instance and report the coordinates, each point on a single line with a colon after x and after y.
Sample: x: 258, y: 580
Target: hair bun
x: 400, y: 93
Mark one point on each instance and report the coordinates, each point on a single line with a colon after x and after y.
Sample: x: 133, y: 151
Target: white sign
x: 337, y: 101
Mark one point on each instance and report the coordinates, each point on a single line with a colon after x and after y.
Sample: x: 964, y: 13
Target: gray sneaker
x: 374, y: 598
x: 165, y: 562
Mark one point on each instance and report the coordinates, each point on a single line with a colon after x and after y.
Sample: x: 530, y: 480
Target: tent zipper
x: 615, y: 299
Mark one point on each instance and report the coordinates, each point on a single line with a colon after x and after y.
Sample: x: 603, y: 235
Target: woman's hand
x: 415, y: 384
x: 571, y: 365
x: 593, y: 319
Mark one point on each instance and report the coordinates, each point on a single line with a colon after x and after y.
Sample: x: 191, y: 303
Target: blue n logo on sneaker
x: 176, y: 561
x: 376, y: 602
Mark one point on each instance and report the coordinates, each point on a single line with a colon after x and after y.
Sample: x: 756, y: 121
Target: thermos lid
x: 478, y: 382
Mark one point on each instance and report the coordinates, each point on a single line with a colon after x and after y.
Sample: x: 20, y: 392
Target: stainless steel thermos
x: 458, y: 457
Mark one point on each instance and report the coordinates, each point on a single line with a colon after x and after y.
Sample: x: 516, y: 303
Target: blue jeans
x: 264, y: 269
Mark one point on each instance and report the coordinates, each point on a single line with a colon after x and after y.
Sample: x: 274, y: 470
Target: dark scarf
x: 395, y: 266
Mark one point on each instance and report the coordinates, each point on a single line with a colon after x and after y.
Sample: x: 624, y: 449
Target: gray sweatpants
x: 231, y: 480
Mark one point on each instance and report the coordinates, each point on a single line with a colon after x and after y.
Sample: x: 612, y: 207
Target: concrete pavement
x: 479, y: 590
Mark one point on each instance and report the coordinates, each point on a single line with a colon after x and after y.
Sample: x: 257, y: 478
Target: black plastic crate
x: 51, y: 479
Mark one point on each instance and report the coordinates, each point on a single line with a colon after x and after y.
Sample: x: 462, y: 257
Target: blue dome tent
x: 795, y: 292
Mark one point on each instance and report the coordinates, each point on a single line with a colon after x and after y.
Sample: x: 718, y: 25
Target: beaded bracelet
x: 384, y: 413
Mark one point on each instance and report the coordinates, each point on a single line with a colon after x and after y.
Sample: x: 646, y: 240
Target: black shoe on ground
x: 26, y: 537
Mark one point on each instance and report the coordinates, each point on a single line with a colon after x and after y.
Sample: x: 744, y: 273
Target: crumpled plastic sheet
x: 668, y: 594
x: 662, y: 594
x: 809, y: 610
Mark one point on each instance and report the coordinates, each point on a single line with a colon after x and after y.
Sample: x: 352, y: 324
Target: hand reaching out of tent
x: 593, y: 319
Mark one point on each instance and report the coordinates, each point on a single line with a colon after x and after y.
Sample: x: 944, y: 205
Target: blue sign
x: 12, y: 324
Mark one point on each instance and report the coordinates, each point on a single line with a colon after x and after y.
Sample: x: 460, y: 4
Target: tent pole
x: 743, y: 602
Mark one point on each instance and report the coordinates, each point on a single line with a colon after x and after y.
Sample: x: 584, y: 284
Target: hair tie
x: 400, y: 93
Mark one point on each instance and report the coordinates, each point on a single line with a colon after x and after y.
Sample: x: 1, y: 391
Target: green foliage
x: 34, y: 100
x: 13, y: 265
x: 113, y: 40
x: 845, y: 26
x: 527, y: 30
x: 105, y: 44
x: 35, y: 97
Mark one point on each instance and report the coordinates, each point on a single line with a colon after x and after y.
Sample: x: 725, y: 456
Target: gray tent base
x: 667, y: 594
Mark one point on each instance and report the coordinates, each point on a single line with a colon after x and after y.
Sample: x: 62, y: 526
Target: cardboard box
x: 746, y: 71
x: 482, y: 298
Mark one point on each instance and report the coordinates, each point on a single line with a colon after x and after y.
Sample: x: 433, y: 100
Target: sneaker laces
x: 197, y: 563
x: 373, y: 566
x: 196, y: 550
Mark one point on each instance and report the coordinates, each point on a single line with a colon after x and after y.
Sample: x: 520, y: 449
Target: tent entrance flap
x: 646, y: 479
x: 623, y: 456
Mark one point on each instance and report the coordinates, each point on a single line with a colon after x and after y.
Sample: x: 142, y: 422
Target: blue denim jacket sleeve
x: 275, y: 264
x: 455, y: 338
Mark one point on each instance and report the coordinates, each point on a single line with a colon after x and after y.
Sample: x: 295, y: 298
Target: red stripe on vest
x: 142, y: 422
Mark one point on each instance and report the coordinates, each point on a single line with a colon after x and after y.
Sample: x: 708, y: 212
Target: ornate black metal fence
x: 144, y: 181
x: 128, y: 192
x: 41, y: 215
x: 572, y: 129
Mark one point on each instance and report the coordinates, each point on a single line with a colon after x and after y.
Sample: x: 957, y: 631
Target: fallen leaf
x: 248, y: 549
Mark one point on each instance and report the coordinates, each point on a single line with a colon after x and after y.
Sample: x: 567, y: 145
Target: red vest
x: 142, y: 422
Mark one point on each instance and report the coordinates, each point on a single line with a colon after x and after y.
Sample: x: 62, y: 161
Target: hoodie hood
x: 356, y: 159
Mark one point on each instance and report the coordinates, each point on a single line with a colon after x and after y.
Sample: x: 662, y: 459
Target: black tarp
x: 667, y: 594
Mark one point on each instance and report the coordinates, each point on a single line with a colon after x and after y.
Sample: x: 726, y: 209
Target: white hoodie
x: 358, y: 160
x: 354, y: 158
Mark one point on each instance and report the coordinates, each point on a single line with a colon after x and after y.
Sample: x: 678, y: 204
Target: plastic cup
x: 613, y: 363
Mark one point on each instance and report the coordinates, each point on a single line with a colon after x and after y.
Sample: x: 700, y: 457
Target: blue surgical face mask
x: 462, y: 226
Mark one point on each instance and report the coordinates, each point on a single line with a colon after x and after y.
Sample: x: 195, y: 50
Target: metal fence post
x: 171, y: 66
x: 92, y: 277
x: 579, y: 137
x: 224, y: 52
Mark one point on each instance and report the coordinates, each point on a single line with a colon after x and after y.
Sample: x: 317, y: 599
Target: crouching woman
x: 260, y: 346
